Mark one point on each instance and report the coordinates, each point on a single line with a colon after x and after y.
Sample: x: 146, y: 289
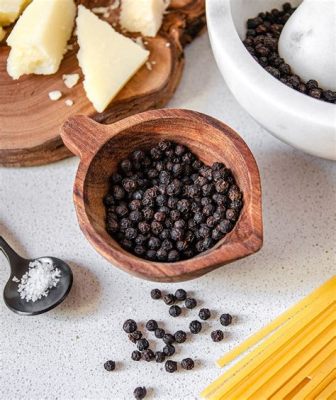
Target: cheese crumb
x: 70, y: 80
x: 38, y: 280
x: 55, y: 95
x: 69, y: 102
x: 149, y: 65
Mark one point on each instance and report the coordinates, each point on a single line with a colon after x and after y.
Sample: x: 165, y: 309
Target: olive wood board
x: 30, y: 122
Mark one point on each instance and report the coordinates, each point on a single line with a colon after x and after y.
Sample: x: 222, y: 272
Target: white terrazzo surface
x: 60, y: 355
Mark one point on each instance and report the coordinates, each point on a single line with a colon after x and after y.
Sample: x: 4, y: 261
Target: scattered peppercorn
x: 169, y: 299
x: 142, y: 344
x: 155, y: 293
x: 180, y: 337
x: 187, y: 363
x: 168, y: 338
x: 217, y: 335
x: 109, y: 365
x: 162, y: 207
x: 151, y: 325
x: 159, y: 333
x: 135, y: 336
x: 160, y: 356
x: 136, y: 355
x: 175, y: 311
x: 195, y: 327
x: 180, y: 294
x: 130, y: 326
x: 261, y: 42
x: 190, y: 303
x: 170, y: 366
x: 169, y: 350
x: 148, y: 355
x: 140, y: 393
x: 225, y: 319
x: 204, y: 314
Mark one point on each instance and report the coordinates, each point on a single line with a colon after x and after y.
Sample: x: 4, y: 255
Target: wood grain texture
x: 30, y: 122
x: 102, y: 147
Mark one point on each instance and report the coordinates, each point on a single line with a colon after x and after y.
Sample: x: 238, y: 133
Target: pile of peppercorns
x: 261, y: 41
x: 170, y: 341
x: 166, y: 205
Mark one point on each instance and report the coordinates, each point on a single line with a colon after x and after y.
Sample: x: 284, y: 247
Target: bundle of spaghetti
x: 295, y: 355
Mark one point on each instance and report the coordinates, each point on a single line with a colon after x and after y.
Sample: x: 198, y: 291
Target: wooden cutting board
x: 30, y: 122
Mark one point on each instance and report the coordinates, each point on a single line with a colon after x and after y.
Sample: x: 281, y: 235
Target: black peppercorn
x: 142, y: 344
x: 169, y: 299
x: 168, y: 350
x: 148, y: 355
x: 162, y: 254
x: 168, y: 338
x: 151, y: 325
x: 129, y: 326
x: 225, y: 319
x: 170, y: 366
x: 159, y: 333
x: 109, y: 365
x: 180, y: 294
x: 156, y: 294
x: 204, y: 314
x: 190, y: 303
x: 180, y: 337
x: 140, y: 393
x: 160, y: 356
x: 175, y: 311
x: 195, y: 327
x: 187, y: 363
x: 217, y: 335
x: 173, y: 256
x: 136, y: 355
x: 135, y: 336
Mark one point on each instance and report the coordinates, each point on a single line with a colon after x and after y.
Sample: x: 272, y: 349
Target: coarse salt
x: 38, y: 280
x: 69, y: 102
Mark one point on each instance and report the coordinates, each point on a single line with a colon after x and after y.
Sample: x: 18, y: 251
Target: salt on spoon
x: 35, y: 286
x: 308, y: 42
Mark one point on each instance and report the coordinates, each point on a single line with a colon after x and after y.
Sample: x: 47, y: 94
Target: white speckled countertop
x: 60, y: 355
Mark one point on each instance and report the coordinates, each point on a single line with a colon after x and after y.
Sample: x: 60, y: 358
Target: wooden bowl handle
x: 83, y: 136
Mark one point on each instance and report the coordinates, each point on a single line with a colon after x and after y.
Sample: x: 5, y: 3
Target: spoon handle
x: 12, y: 256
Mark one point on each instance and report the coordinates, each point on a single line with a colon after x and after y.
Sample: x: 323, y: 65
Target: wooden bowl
x: 102, y: 147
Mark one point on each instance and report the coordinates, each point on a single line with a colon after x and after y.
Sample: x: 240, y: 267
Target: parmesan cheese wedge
x: 10, y: 10
x: 107, y: 58
x: 144, y: 16
x: 39, y: 38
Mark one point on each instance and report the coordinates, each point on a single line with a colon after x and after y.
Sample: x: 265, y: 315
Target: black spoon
x: 19, y: 266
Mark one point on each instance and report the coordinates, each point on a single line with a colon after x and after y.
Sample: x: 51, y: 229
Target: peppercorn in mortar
x: 166, y: 205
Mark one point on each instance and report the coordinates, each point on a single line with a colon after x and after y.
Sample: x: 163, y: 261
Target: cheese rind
x: 39, y: 38
x: 10, y: 10
x: 143, y: 16
x: 107, y: 58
